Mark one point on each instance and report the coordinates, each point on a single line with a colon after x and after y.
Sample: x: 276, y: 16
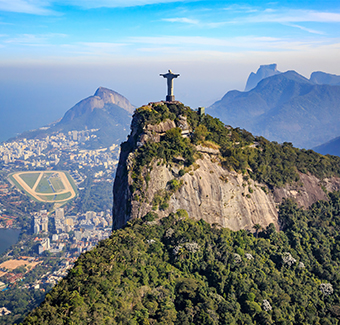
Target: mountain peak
x: 322, y: 78
x: 102, y: 91
x: 290, y: 75
x: 112, y: 97
x: 264, y: 71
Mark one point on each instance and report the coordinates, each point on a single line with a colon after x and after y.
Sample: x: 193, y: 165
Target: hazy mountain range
x: 285, y: 107
x: 331, y: 147
x: 281, y: 106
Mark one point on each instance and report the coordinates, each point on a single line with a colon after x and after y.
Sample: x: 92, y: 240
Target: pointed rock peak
x: 102, y: 91
x: 264, y: 71
x: 112, y: 97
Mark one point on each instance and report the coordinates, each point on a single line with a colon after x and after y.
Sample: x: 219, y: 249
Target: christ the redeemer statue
x: 170, y: 78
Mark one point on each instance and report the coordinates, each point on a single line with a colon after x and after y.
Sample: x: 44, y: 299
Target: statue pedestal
x: 170, y: 98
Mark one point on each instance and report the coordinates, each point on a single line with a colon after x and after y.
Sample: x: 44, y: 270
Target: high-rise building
x: 44, y: 226
x: 90, y: 214
x: 59, y: 213
x: 45, y: 245
x: 69, y: 222
x: 75, y: 135
x: 36, y: 228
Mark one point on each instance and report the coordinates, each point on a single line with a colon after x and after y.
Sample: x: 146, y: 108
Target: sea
x: 8, y: 237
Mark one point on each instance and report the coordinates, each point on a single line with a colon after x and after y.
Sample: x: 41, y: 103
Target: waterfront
x: 8, y: 237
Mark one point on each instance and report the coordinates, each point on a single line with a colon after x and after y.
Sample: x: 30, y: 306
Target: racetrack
x: 38, y: 195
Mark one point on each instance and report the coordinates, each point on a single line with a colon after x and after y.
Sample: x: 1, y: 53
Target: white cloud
x: 309, y: 30
x: 291, y: 16
x: 247, y: 43
x: 26, y: 39
x: 101, y: 47
x: 240, y: 8
x: 32, y: 39
x: 36, y: 7
x: 42, y: 7
x: 114, y: 3
x: 182, y: 20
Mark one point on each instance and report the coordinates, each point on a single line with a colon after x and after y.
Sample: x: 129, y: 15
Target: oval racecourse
x: 46, y: 186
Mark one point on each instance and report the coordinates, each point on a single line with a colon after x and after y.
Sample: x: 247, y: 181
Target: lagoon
x: 8, y: 237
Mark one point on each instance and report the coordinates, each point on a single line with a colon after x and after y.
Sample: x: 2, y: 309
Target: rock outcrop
x: 210, y: 193
x: 264, y: 71
x: 207, y: 190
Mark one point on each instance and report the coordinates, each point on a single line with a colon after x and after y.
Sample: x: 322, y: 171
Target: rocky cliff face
x: 206, y: 190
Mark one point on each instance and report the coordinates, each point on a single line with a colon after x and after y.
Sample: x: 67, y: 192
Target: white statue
x: 170, y: 79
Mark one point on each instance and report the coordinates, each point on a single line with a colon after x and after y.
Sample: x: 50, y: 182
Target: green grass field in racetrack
x: 29, y: 179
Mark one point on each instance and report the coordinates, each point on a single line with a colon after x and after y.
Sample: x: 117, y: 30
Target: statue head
x: 169, y: 71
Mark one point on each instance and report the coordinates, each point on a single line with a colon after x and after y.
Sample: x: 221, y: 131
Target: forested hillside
x: 178, y: 271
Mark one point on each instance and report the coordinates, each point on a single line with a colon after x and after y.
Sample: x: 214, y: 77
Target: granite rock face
x: 212, y: 194
x: 207, y: 190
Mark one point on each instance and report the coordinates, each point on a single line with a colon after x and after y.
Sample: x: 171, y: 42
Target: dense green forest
x: 180, y: 271
x: 267, y: 162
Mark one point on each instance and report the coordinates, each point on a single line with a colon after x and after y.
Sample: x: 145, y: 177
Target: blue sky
x: 54, y: 53
x: 106, y: 30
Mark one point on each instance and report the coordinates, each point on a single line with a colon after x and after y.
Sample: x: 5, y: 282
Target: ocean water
x: 8, y: 237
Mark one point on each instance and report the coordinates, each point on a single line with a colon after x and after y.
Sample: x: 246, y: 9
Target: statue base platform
x: 170, y: 98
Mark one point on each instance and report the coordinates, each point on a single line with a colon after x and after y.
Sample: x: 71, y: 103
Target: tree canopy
x: 180, y: 271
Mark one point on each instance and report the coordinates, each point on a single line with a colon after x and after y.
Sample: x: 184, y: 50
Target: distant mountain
x: 323, y: 78
x: 264, y: 71
x: 284, y: 107
x: 106, y: 110
x: 331, y: 147
x: 104, y: 99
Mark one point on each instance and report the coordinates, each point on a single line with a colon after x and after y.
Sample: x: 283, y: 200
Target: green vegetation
x: 171, y: 146
x: 55, y: 197
x: 30, y: 178
x: 95, y: 196
x: 162, y: 197
x: 64, y: 196
x: 44, y: 186
x: 266, y: 162
x: 12, y: 179
x: 277, y: 164
x: 47, y: 197
x: 179, y: 271
x: 57, y: 184
x: 21, y: 301
x: 70, y: 179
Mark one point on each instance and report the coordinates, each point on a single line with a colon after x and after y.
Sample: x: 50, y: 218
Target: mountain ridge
x: 284, y: 107
x: 331, y: 147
